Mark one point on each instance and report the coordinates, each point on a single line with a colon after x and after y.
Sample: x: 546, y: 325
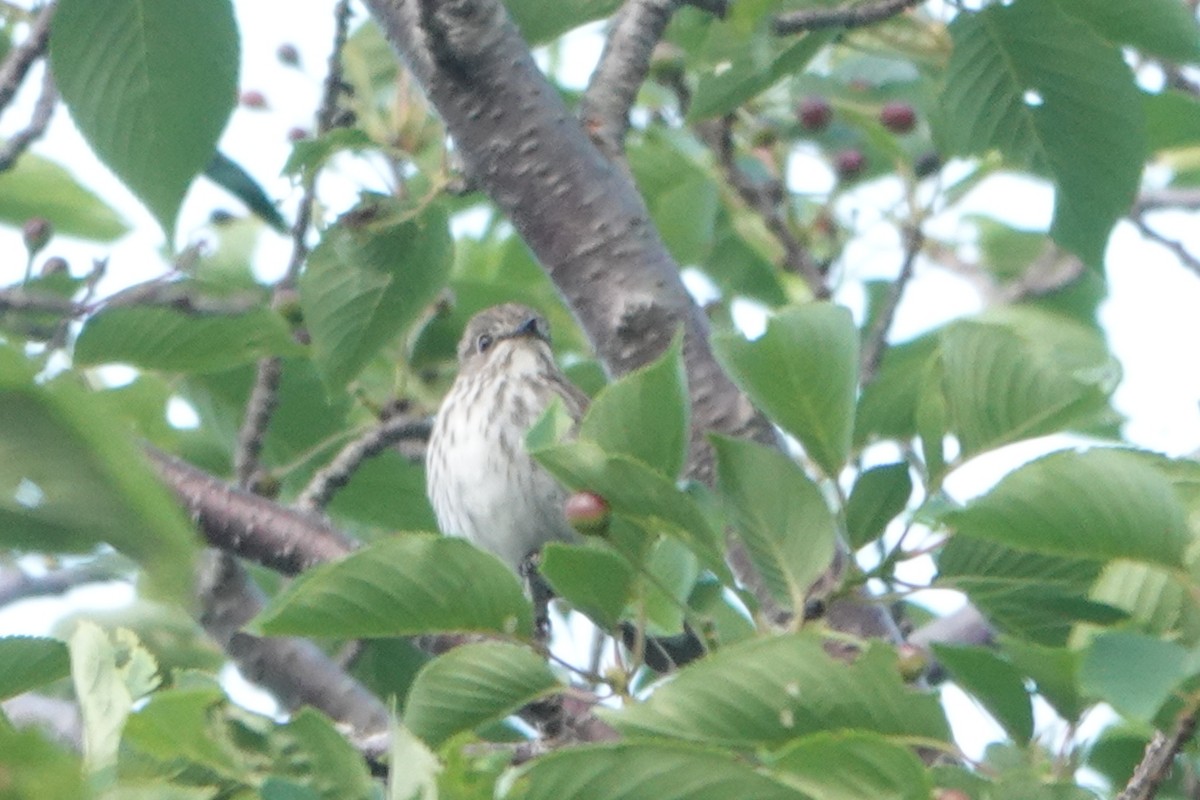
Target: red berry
x: 849, y: 163
x: 814, y: 113
x: 252, y: 98
x: 36, y: 232
x: 898, y: 117
x: 297, y: 134
x: 588, y: 513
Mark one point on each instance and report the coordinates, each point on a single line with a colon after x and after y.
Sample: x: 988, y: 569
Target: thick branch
x: 580, y: 214
x: 295, y: 670
x: 248, y: 525
x: 623, y: 67
x: 21, y: 58
x: 855, y: 15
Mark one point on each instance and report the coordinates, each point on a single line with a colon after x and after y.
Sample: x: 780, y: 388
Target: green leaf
x: 779, y: 513
x: 176, y: 341
x: 644, y: 414
x: 853, y: 765
x: 594, y: 581
x: 1158, y: 601
x: 474, y: 684
x: 150, y: 85
x: 70, y: 479
x: 27, y: 662
x: 229, y: 175
x: 656, y: 769
x: 803, y: 373
x: 370, y: 277
x: 888, y: 406
x: 109, y: 674
x: 1029, y: 595
x: 1087, y: 111
x: 645, y: 497
x: 405, y: 585
x: 730, y: 83
x: 681, y: 194
x: 1172, y: 120
x: 179, y: 725
x: 543, y: 20
x: 1101, y: 504
x: 998, y: 390
x: 879, y: 494
x: 1055, y: 670
x: 1114, y: 657
x: 766, y: 692
x: 1160, y: 28
x: 332, y: 766
x: 417, y: 780
x: 311, y: 154
x: 37, y: 187
x: 995, y: 683
x: 34, y: 769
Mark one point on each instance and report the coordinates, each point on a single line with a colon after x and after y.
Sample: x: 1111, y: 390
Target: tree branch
x: 327, y: 481
x: 623, y: 67
x: 579, y: 213
x: 43, y: 111
x: 854, y: 15
x: 247, y: 525
x: 1160, y: 754
x: 718, y: 135
x: 264, y: 395
x: 876, y: 341
x: 16, y: 585
x: 1185, y: 256
x: 295, y: 670
x: 21, y: 58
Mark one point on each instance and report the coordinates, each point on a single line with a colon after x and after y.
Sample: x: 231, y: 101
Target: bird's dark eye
x: 483, y: 342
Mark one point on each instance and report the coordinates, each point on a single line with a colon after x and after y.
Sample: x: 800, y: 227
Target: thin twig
x: 622, y: 69
x: 264, y: 398
x: 854, y: 15
x: 1154, y: 199
x: 326, y: 114
x: 21, y: 58
x: 327, y: 481
x: 718, y: 135
x: 264, y: 394
x: 43, y: 111
x: 1186, y: 257
x: 1160, y: 754
x: 876, y: 340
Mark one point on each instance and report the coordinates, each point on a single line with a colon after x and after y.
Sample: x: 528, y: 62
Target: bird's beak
x: 528, y: 328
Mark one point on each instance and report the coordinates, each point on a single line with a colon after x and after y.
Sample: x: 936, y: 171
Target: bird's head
x: 497, y: 329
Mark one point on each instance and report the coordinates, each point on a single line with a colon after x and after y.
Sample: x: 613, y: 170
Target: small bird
x: 481, y: 480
